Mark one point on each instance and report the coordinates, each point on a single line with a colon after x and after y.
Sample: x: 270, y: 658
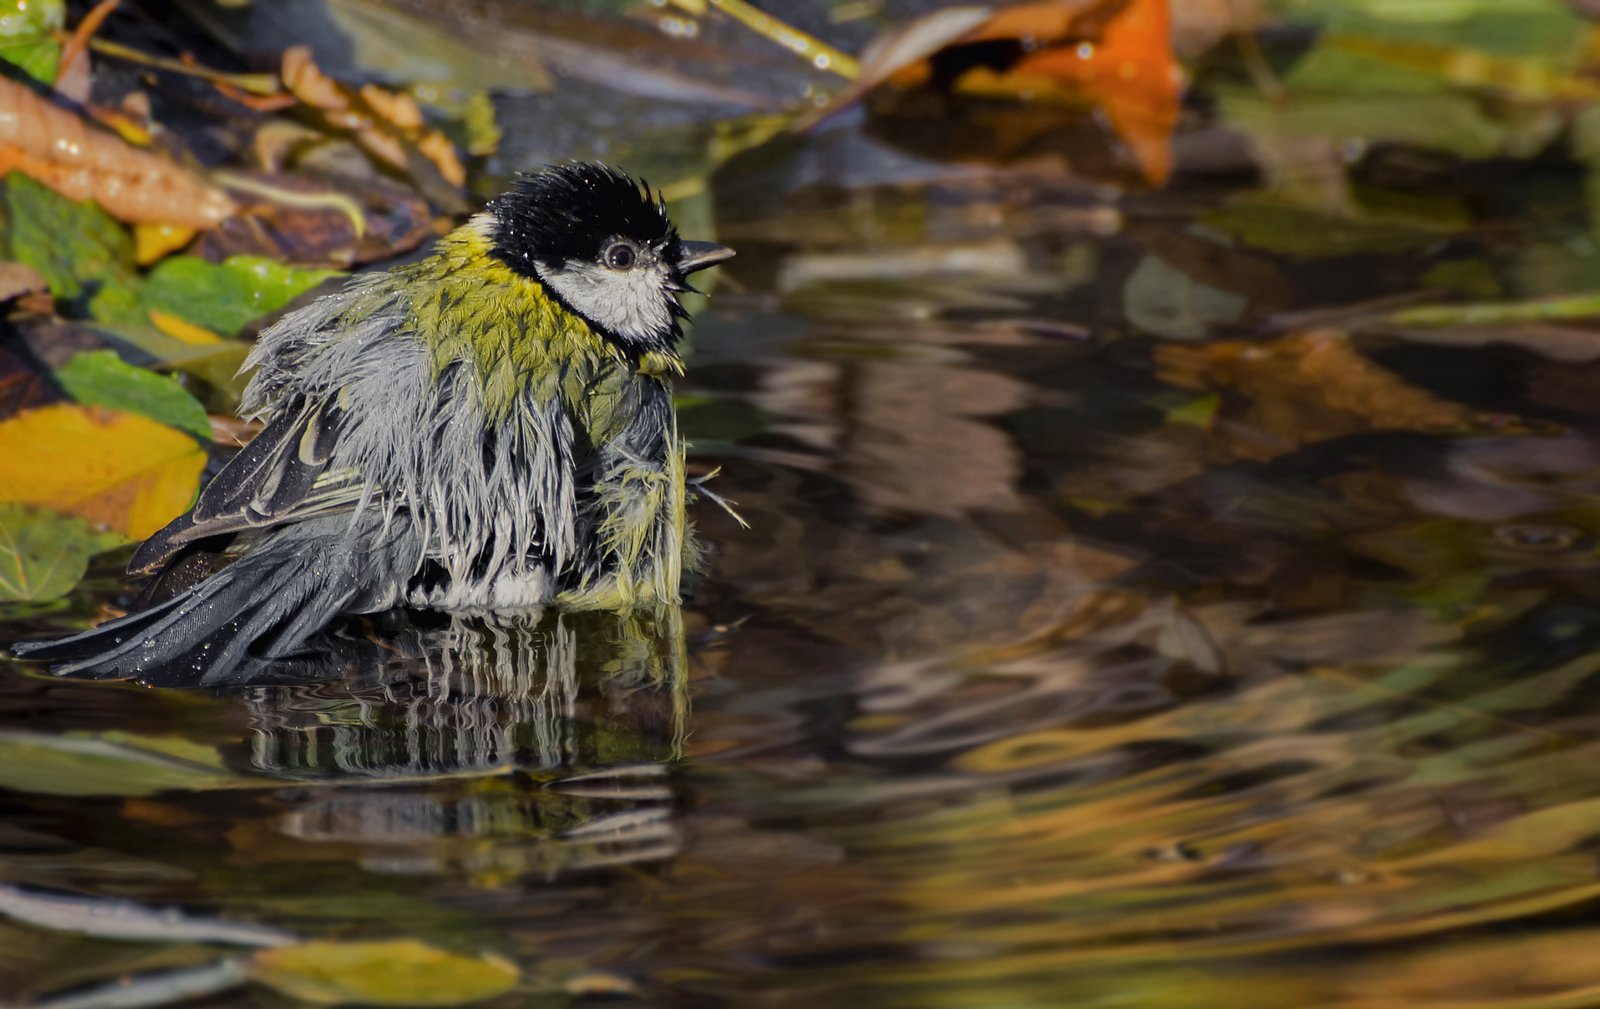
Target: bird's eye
x: 620, y: 256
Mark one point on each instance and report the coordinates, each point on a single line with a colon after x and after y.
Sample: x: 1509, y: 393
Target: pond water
x: 1134, y: 611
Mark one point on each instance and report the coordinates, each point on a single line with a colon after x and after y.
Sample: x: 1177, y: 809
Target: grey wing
x: 281, y: 476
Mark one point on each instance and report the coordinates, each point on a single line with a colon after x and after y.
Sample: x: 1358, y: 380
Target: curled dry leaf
x: 82, y: 162
x: 321, y: 223
x: 387, y: 125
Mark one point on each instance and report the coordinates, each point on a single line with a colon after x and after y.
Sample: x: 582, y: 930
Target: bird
x: 487, y: 429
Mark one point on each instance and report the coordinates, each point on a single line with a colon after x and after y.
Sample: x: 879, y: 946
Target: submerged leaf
x: 117, y: 469
x: 1116, y: 56
x: 112, y: 763
x: 400, y: 972
x: 1314, y: 386
x: 43, y: 554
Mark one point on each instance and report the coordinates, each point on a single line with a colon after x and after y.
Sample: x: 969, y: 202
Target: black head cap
x: 568, y: 212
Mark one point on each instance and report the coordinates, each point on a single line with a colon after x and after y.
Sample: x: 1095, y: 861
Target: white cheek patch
x: 632, y: 304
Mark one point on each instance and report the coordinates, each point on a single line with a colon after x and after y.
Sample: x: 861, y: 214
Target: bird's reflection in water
x: 498, y: 745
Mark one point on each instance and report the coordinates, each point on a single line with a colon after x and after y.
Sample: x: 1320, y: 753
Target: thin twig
x: 83, y: 35
x: 261, y: 84
x: 818, y: 53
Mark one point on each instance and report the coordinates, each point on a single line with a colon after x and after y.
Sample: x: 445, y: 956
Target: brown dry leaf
x: 119, y: 470
x: 18, y: 279
x: 387, y: 125
x: 310, y: 222
x: 82, y: 162
x: 22, y: 386
x: 1314, y: 386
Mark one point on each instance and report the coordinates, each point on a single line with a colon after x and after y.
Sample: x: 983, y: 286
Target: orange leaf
x: 82, y: 162
x: 116, y: 469
x: 1116, y: 54
x: 1046, y: 22
x: 1131, y: 73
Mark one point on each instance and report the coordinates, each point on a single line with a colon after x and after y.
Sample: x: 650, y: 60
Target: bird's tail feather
x: 263, y: 606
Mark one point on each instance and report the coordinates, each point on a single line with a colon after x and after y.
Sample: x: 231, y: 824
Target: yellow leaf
x: 182, y: 329
x: 398, y: 972
x: 153, y: 241
x: 117, y: 469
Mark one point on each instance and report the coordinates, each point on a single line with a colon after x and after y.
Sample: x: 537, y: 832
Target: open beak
x: 699, y: 255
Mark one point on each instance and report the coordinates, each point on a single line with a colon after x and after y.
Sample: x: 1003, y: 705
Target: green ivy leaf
x: 77, y: 247
x: 43, y: 554
x: 225, y: 297
x: 102, y: 378
x: 26, y: 38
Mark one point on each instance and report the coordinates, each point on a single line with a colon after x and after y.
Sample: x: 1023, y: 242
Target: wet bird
x: 490, y: 428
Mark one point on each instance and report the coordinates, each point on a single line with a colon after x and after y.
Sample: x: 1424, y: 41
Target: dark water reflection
x: 1065, y: 662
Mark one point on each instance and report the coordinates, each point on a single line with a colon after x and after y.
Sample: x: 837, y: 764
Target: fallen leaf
x: 82, y: 162
x: 225, y: 297
x: 1127, y: 68
x: 387, y: 124
x: 112, y: 763
x: 1314, y: 386
x: 183, y: 330
x: 1113, y: 54
x: 399, y: 972
x: 152, y: 242
x: 18, y: 279
x: 116, y: 469
x: 318, y: 224
x: 44, y: 554
x: 22, y: 387
x: 27, y: 36
x: 101, y: 378
x: 76, y: 246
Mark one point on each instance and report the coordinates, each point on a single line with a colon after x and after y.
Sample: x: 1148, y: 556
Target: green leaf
x: 26, y: 38
x: 44, y: 554
x: 77, y: 247
x: 111, y: 763
x: 102, y: 378
x: 87, y: 259
x: 228, y: 296
x: 1268, y: 221
x: 400, y: 972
